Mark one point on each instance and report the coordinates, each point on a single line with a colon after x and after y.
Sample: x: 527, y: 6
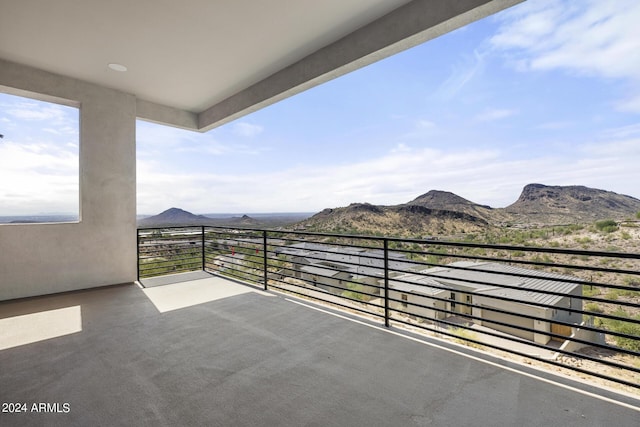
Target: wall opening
x: 39, y: 158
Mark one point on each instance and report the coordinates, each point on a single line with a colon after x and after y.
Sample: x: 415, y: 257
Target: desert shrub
x: 607, y: 226
x: 628, y: 293
x: 583, y: 240
x: 590, y: 291
x: 631, y: 281
x: 623, y: 327
x: 593, y: 308
x: 355, y: 292
x: 465, y: 335
x: 612, y: 295
x: 629, y: 329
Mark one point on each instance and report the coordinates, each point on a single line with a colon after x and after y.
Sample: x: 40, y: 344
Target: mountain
x: 177, y: 217
x: 174, y: 216
x: 400, y: 220
x: 445, y: 213
x: 546, y: 204
x: 439, y: 213
x: 244, y: 221
x: 447, y: 201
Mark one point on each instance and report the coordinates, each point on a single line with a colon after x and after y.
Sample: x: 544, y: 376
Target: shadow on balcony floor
x: 249, y: 359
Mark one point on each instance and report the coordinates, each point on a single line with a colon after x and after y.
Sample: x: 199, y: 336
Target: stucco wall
x: 37, y: 259
x: 417, y: 304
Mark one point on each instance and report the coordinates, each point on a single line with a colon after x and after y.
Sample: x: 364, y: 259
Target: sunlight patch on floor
x: 187, y: 294
x: 43, y: 325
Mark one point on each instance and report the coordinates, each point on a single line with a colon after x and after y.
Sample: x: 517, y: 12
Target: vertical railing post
x: 202, y: 243
x: 138, y: 253
x: 264, y: 257
x: 386, y: 282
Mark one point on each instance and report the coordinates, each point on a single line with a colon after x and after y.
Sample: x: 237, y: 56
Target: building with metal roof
x: 522, y: 302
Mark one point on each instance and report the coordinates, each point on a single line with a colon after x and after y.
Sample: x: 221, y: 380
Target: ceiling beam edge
x: 165, y: 115
x: 405, y: 27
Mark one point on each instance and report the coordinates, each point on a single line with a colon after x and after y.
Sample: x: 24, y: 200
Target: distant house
x: 498, y: 296
x: 334, y: 268
x: 327, y: 279
x: 446, y: 291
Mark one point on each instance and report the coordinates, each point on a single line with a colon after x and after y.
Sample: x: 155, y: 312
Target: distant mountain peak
x: 572, y: 202
x: 173, y: 211
x: 174, y: 216
x: 177, y: 211
x: 439, y: 199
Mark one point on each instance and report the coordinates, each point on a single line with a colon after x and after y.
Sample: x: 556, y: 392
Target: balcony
x: 336, y: 330
x: 540, y: 305
x: 201, y: 349
x: 249, y: 329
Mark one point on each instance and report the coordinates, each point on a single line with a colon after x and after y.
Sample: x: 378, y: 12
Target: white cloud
x: 401, y: 148
x: 622, y: 132
x: 37, y: 111
x: 425, y: 124
x: 38, y: 177
x: 248, y: 130
x: 486, y: 176
x: 158, y: 141
x: 555, y: 125
x: 394, y: 178
x: 493, y: 114
x: 461, y: 75
x: 630, y: 105
x: 591, y: 37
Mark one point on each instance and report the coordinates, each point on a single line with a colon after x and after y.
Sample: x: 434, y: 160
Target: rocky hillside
x: 445, y: 213
x: 401, y: 220
x: 545, y: 204
x: 447, y: 201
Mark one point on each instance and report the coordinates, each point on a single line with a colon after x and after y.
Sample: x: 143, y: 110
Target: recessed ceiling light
x: 117, y: 67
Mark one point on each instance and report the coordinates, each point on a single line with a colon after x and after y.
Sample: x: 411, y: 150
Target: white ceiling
x: 186, y: 54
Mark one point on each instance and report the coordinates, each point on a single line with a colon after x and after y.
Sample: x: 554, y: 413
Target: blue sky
x: 546, y: 92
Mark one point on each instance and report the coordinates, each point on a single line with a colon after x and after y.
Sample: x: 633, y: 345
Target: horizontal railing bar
x: 334, y: 286
x: 510, y: 261
x: 502, y: 298
x: 523, y: 328
x: 528, y: 356
x: 327, y: 301
x: 492, y: 309
x: 532, y: 343
x: 565, y: 251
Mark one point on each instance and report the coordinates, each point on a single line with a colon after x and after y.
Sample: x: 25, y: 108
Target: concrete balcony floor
x: 216, y: 353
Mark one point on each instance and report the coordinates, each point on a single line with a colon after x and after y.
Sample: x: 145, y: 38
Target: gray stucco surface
x: 37, y: 259
x: 256, y: 360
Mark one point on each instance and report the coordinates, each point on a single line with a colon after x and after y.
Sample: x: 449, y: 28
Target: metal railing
x: 574, y: 309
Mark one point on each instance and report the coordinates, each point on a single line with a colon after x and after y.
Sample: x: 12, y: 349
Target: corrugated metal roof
x: 487, y: 278
x: 363, y: 263
x: 546, y: 281
x: 320, y: 271
x: 491, y: 282
x: 421, y: 285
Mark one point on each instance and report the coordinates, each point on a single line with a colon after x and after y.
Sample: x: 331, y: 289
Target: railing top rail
x: 561, y: 251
